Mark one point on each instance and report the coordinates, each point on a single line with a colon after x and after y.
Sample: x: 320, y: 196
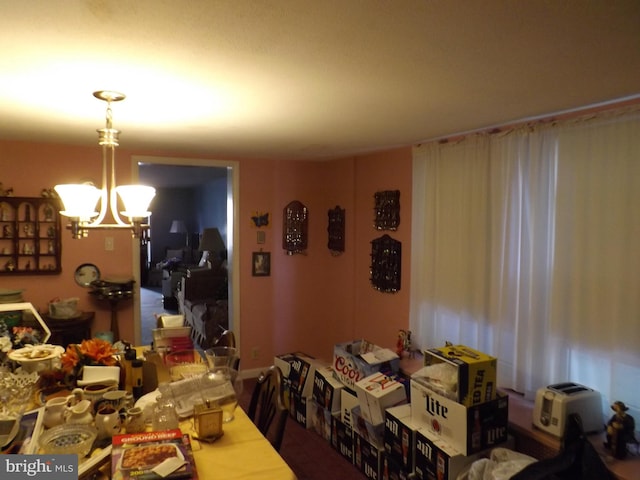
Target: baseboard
x: 252, y: 373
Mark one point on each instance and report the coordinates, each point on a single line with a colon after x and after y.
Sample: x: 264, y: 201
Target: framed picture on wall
x: 261, y: 264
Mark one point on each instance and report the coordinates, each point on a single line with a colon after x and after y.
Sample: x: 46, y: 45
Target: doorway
x: 146, y: 169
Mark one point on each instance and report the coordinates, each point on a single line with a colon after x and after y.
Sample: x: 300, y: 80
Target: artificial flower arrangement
x: 94, y: 351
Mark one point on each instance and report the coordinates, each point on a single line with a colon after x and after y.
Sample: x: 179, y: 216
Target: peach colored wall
x: 309, y: 303
x: 30, y: 167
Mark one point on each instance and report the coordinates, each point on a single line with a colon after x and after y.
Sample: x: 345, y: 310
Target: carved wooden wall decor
x: 386, y: 261
x: 387, y: 210
x: 336, y: 230
x: 294, y: 228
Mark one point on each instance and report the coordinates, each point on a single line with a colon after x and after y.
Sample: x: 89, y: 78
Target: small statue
x: 404, y: 343
x: 620, y: 430
x: 402, y: 335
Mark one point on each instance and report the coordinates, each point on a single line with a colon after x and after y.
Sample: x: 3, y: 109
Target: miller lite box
x: 461, y: 373
x: 392, y: 470
x: 400, y: 437
x: 319, y: 419
x: 438, y: 460
x: 300, y: 409
x: 326, y: 388
x: 342, y: 438
x: 466, y: 429
x: 378, y: 392
x: 299, y: 370
x: 348, y: 401
x: 353, y: 361
x: 367, y: 457
x: 370, y: 432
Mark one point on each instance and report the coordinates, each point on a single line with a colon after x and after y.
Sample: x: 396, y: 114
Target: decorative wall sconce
x: 294, y: 228
x: 387, y: 210
x: 386, y: 262
x: 336, y: 230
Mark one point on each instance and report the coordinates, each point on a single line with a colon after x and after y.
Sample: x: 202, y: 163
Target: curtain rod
x: 541, y: 119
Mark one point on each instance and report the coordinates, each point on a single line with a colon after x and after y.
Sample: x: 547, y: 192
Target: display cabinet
x: 29, y: 236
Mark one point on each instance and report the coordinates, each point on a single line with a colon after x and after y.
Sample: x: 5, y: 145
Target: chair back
x: 267, y: 409
x: 228, y: 339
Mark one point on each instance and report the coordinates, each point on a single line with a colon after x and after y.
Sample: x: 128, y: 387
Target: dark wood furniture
x: 72, y: 330
x: 267, y: 405
x: 29, y: 236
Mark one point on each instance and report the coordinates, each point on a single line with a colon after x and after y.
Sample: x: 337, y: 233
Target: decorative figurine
x: 404, y: 343
x: 620, y: 430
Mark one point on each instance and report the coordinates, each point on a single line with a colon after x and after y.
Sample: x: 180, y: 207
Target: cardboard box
x: 348, y: 401
x: 436, y: 459
x: 392, y: 470
x: 299, y: 369
x: 300, y: 409
x: 353, y: 361
x: 477, y: 372
x: 374, y: 434
x: 342, y: 438
x: 378, y: 392
x: 326, y: 388
x: 467, y: 429
x: 399, y: 438
x: 367, y: 457
x: 319, y: 419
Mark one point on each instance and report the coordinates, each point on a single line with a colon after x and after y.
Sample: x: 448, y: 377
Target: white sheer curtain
x: 526, y: 245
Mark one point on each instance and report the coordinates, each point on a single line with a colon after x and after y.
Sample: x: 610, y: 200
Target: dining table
x: 241, y: 453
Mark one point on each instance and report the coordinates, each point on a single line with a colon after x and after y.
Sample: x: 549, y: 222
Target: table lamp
x: 211, y: 242
x: 178, y: 226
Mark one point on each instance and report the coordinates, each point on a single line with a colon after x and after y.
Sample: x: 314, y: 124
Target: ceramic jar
x: 54, y: 411
x: 135, y: 420
x: 79, y: 413
x: 108, y: 422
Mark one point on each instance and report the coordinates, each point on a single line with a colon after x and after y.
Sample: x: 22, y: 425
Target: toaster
x: 555, y: 403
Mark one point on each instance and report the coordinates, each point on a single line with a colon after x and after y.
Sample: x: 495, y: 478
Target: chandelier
x: 80, y: 200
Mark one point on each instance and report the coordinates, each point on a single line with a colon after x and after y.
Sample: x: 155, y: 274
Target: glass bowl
x: 185, y: 364
x: 69, y: 439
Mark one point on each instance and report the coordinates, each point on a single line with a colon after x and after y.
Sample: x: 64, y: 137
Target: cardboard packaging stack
x: 458, y: 412
x: 353, y: 361
x: 298, y: 371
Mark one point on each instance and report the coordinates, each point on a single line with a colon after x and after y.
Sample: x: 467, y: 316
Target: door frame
x: 233, y: 229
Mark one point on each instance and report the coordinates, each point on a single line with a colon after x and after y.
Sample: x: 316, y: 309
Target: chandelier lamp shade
x: 80, y: 200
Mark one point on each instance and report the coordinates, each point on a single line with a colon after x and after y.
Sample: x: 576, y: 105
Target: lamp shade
x: 79, y: 200
x: 211, y: 241
x: 178, y: 226
x: 136, y: 199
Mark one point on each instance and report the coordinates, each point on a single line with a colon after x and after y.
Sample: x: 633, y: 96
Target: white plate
x: 30, y: 353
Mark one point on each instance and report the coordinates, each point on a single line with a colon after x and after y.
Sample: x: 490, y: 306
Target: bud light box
x: 461, y: 373
x: 467, y: 429
x: 353, y: 361
x: 326, y: 388
x: 400, y: 436
x: 299, y: 369
x: 378, y: 392
x: 436, y: 459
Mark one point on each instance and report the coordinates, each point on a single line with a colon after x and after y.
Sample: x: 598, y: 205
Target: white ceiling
x: 305, y: 78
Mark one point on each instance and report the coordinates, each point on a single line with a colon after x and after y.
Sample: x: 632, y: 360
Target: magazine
x: 152, y: 456
x: 26, y: 438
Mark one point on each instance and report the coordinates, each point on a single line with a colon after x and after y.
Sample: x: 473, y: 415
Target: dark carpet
x: 309, y: 455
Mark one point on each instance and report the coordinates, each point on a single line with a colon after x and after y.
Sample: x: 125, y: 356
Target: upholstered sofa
x: 202, y: 299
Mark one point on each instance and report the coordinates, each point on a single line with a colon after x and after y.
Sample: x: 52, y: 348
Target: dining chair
x: 228, y: 339
x: 267, y: 405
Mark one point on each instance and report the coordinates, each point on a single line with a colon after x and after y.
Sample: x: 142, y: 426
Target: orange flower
x: 90, y: 352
